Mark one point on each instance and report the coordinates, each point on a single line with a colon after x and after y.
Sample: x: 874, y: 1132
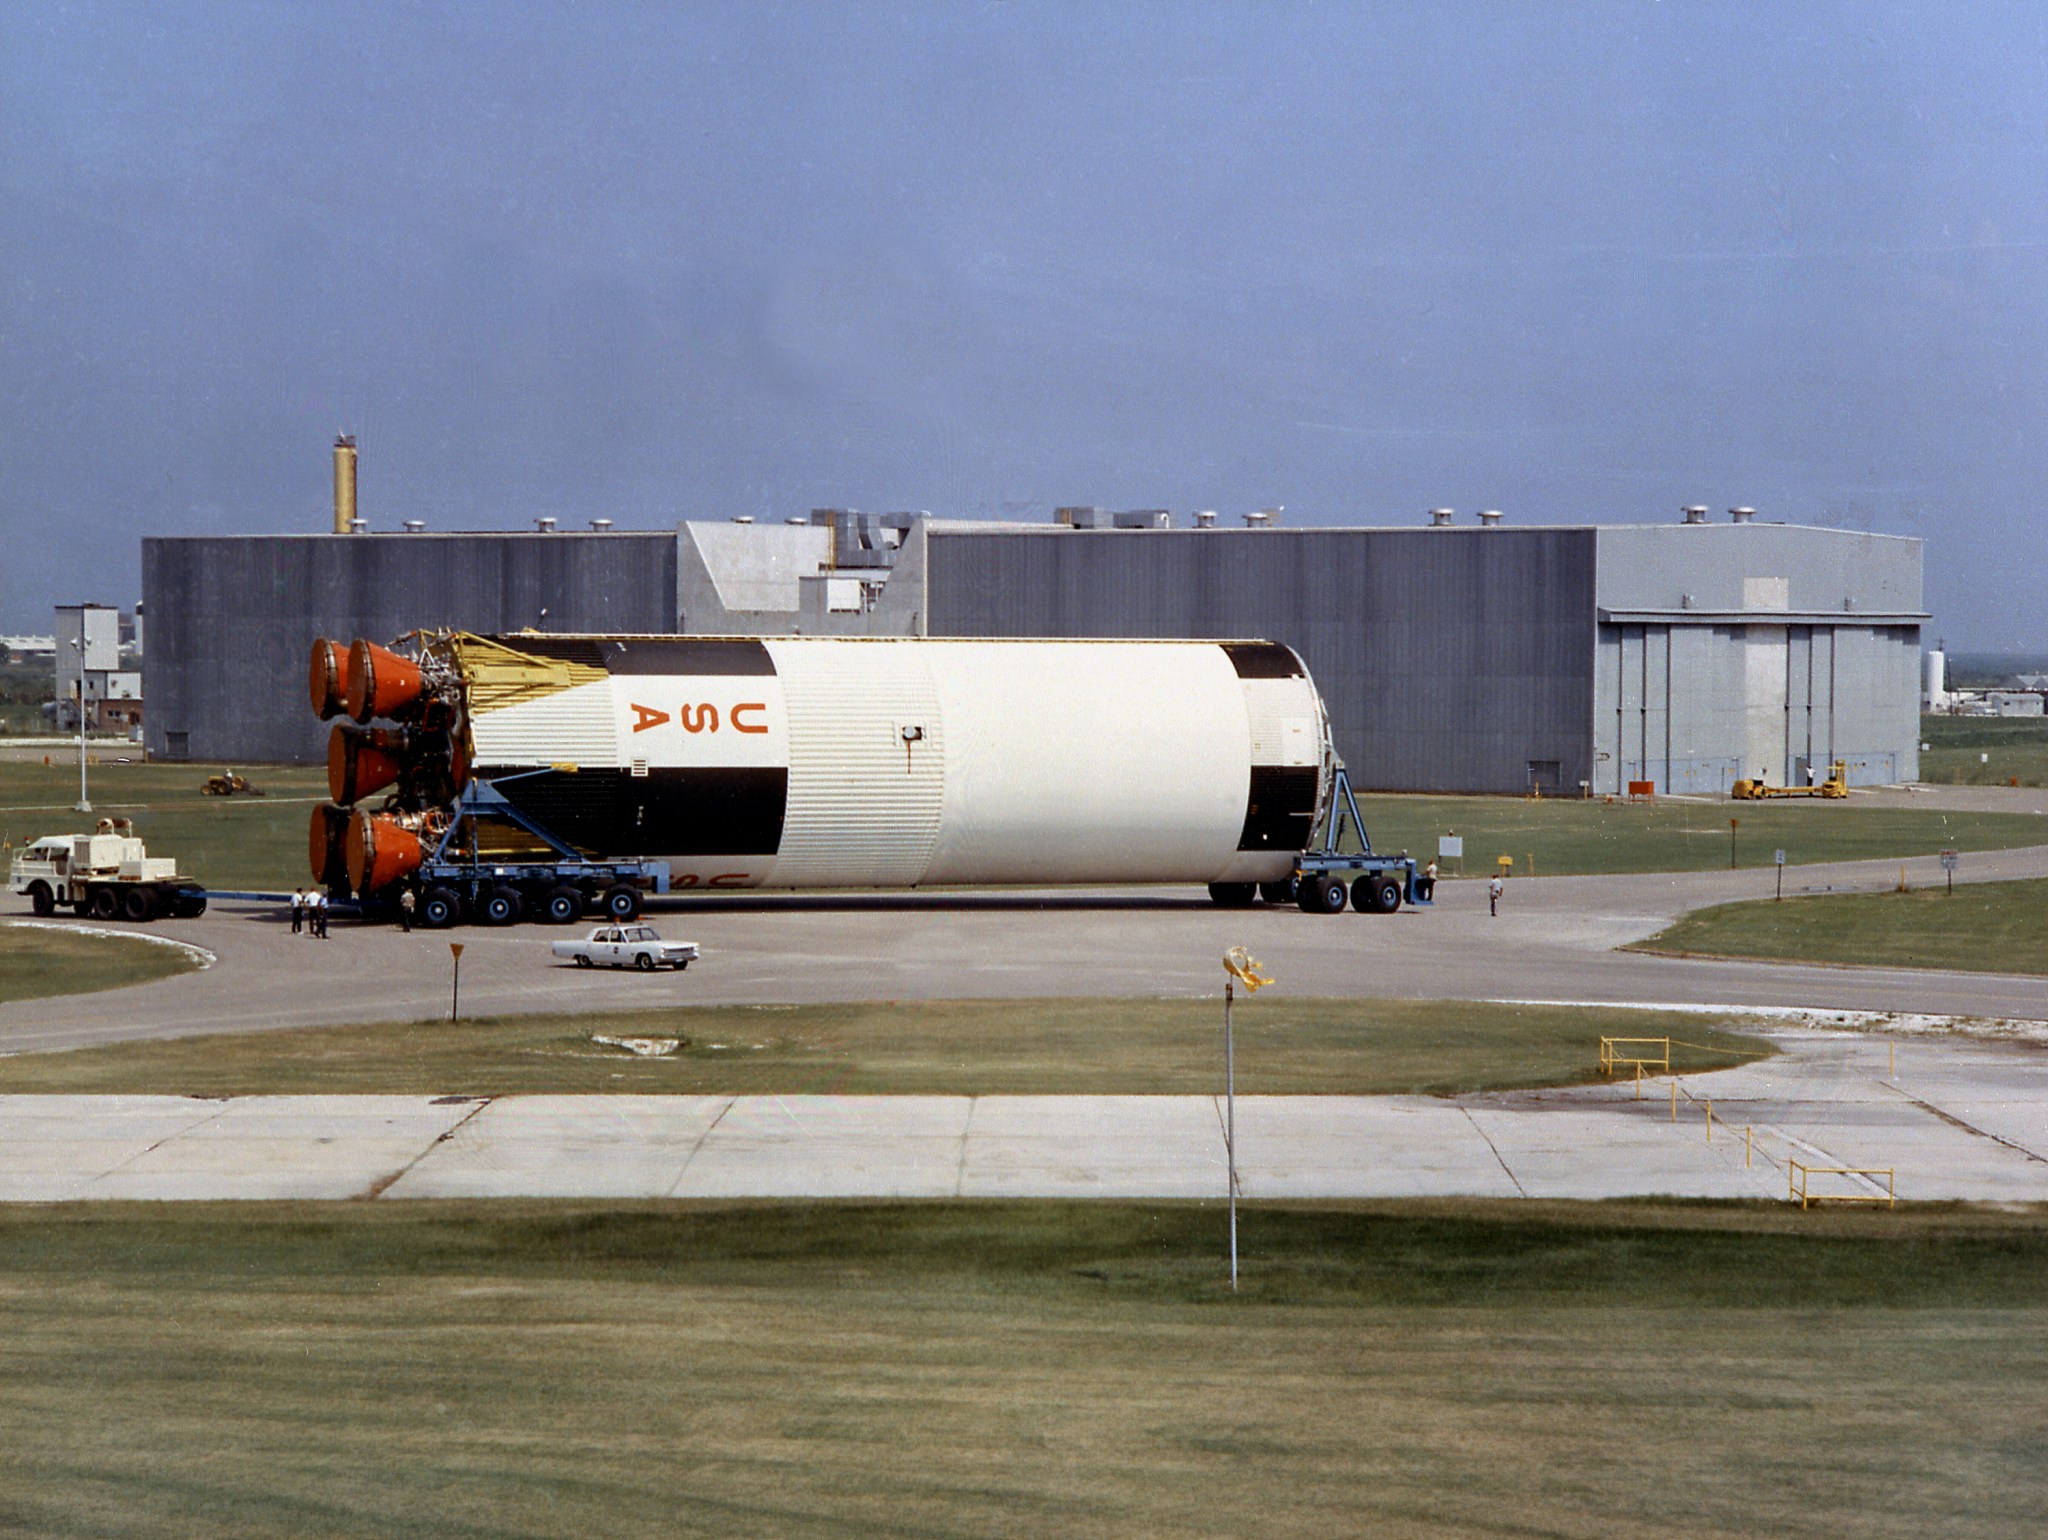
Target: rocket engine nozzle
x: 381, y: 850
x: 360, y: 762
x: 380, y: 682
x: 325, y: 681
x: 326, y: 846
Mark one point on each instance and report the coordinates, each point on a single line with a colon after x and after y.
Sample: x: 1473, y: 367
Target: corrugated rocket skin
x: 802, y: 762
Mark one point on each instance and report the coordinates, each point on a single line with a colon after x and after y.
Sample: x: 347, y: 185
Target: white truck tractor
x: 106, y: 874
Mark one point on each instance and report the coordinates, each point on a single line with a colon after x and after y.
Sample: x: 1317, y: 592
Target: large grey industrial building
x: 1454, y: 657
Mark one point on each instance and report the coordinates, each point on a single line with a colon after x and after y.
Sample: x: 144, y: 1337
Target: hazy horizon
x: 648, y: 263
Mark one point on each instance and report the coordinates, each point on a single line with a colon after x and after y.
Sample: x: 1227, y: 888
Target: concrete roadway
x: 1555, y: 939
x: 1953, y: 1120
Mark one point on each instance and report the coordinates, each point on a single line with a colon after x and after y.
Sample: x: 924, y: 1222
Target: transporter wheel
x: 500, y: 906
x: 1323, y: 895
x: 105, y: 903
x: 1285, y: 891
x: 622, y: 902
x: 564, y: 906
x: 1385, y: 895
x: 41, y: 900
x: 438, y: 909
x: 189, y: 907
x: 1233, y: 895
x: 644, y: 961
x: 139, y: 905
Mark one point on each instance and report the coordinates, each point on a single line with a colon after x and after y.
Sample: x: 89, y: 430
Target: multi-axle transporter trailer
x: 1327, y: 876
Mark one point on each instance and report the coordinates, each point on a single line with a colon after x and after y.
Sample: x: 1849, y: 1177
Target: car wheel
x: 41, y: 900
x: 685, y: 963
x: 622, y: 902
x: 500, y: 906
x: 644, y: 961
x: 582, y: 961
x: 438, y: 908
x: 564, y: 906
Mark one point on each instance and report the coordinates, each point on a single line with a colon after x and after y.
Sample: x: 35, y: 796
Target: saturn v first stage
x: 800, y: 762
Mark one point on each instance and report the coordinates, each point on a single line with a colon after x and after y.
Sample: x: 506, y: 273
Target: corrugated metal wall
x: 232, y: 619
x: 1450, y: 659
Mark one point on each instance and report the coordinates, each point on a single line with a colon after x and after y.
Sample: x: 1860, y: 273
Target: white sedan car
x: 627, y: 946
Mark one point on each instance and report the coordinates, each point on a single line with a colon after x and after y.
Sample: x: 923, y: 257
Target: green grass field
x: 1993, y: 927
x: 971, y: 1047
x: 1560, y: 838
x: 226, y: 842
x: 36, y: 963
x: 1020, y: 1369
x: 1984, y: 751
x: 242, y: 843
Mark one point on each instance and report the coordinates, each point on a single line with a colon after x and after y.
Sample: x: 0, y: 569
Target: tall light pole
x: 78, y: 645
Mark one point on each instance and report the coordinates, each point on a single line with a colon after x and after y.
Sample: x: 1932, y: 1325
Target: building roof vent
x: 799, y: 520
x: 1440, y: 518
x: 743, y: 518
x: 602, y: 526
x: 358, y: 526
x: 1490, y: 517
x: 1262, y: 518
x: 1695, y: 515
x: 1741, y: 515
x: 1206, y: 519
x: 544, y: 525
x: 414, y: 526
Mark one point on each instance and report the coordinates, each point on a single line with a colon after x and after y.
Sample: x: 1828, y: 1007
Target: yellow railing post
x: 1710, y: 1120
x: 1674, y: 1098
x: 1748, y: 1140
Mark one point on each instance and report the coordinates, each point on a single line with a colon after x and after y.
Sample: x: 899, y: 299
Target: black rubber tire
x: 1386, y: 895
x: 1324, y: 895
x: 41, y: 899
x: 563, y: 906
x: 683, y: 965
x: 1233, y: 895
x: 500, y: 906
x: 439, y: 908
x: 138, y: 905
x: 104, y: 903
x: 1285, y: 891
x: 190, y: 907
x: 644, y: 961
x: 622, y: 903
x: 584, y: 962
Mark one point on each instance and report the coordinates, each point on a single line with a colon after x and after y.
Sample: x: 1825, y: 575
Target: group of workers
x: 309, y: 912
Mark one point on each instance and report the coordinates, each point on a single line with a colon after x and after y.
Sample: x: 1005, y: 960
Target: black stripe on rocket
x: 686, y: 655
x: 697, y: 811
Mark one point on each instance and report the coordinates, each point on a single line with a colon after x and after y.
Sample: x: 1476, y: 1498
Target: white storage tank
x: 854, y: 762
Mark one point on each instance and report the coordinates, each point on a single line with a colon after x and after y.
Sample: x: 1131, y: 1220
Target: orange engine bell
x: 324, y: 682
x: 380, y: 682
x: 380, y: 851
x: 360, y: 762
x: 326, y: 841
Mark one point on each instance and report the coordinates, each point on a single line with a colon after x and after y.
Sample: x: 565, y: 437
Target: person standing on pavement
x: 320, y: 914
x: 298, y: 910
x: 405, y: 903
x: 1493, y: 892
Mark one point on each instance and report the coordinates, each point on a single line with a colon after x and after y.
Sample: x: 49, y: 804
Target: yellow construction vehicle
x: 1836, y: 786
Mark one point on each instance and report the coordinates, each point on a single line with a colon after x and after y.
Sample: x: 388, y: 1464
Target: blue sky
x: 646, y: 262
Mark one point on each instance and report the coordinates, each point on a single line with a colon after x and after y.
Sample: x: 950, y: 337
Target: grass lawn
x: 1020, y: 1369
x: 1994, y: 927
x: 964, y: 1047
x: 225, y: 842
x: 35, y: 962
x: 1984, y: 751
x: 1562, y: 838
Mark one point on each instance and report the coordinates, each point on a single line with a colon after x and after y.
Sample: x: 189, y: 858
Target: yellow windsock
x: 1241, y: 965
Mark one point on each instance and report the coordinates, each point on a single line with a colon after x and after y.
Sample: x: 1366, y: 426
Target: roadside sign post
x: 1237, y: 964
x: 1733, y: 823
x: 1781, y: 875
x: 1948, y: 865
x: 455, y: 994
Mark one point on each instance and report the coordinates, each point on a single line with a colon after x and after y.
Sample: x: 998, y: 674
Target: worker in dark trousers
x: 405, y: 903
x: 298, y: 910
x: 1493, y: 892
x: 320, y: 915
